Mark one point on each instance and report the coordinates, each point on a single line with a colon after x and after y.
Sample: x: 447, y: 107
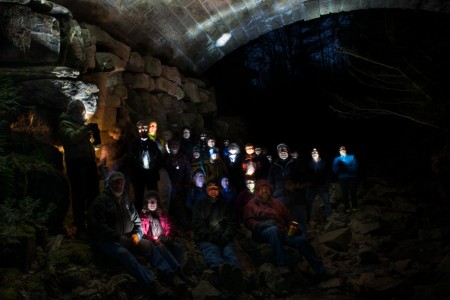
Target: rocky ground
x: 395, y: 247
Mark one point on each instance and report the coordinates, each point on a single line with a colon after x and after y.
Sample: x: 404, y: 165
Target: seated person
x: 269, y: 220
x: 215, y: 226
x: 157, y: 227
x: 115, y: 229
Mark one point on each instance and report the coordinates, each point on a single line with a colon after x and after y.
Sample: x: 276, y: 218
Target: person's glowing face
x: 233, y: 150
x: 283, y: 153
x: 294, y: 155
x: 249, y: 150
x: 258, y: 150
x: 225, y: 182
x: 186, y: 134
x: 117, y: 187
x: 199, y: 179
x: 152, y: 128
x: 315, y: 154
x: 152, y: 204
x: 251, y: 168
x: 211, y: 143
x: 269, y: 158
x: 203, y: 136
x: 196, y: 155
x: 342, y: 151
x: 250, y: 184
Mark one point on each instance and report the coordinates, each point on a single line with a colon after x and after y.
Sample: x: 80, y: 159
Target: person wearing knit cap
x: 80, y: 161
x: 269, y: 221
x: 116, y: 232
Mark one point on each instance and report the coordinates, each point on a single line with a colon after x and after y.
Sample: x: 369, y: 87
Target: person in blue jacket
x: 345, y: 167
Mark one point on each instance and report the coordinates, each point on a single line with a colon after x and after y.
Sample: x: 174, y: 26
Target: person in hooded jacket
x: 80, y: 161
x: 269, y: 221
x: 116, y: 231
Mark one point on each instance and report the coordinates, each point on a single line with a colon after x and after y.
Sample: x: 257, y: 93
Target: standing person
x: 269, y: 221
x: 228, y: 192
x: 115, y: 155
x: 215, y: 226
x: 187, y: 144
x: 318, y: 174
x: 234, y: 163
x: 180, y: 172
x: 147, y: 160
x: 288, y: 177
x: 164, y: 185
x: 216, y: 167
x: 158, y: 228
x: 81, y: 162
x: 262, y: 162
x: 195, y: 193
x: 245, y: 196
x: 224, y: 148
x: 116, y: 232
x: 345, y: 167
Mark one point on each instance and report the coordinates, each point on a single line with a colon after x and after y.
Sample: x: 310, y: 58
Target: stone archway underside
x: 183, y: 32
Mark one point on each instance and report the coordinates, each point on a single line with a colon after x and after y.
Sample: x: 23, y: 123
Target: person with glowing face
x: 319, y: 176
x: 116, y: 231
x: 80, y: 161
x: 234, y: 162
x: 345, y: 167
x: 157, y: 227
x: 215, y: 226
x: 245, y: 196
x: 147, y: 160
x: 164, y: 185
x: 288, y: 177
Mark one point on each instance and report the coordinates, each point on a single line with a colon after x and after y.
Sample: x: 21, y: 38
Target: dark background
x: 283, y: 84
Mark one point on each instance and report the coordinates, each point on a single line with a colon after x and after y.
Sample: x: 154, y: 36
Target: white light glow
x: 223, y: 39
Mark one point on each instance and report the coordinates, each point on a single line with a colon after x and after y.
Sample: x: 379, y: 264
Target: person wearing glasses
x: 345, y: 167
x: 215, y: 227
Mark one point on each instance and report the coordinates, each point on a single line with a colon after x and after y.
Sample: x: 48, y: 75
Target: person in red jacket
x: 269, y: 221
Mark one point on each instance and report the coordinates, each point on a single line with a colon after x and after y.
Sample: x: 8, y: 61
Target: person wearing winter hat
x: 116, y: 231
x: 269, y: 221
x: 80, y: 161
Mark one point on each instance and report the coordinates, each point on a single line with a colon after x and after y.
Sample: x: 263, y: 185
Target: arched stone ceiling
x: 183, y: 33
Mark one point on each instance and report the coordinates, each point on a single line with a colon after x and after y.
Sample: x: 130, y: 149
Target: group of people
x: 152, y: 183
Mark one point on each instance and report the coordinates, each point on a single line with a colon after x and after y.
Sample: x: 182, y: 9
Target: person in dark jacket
x: 115, y: 228
x: 269, y: 221
x: 288, y: 177
x: 318, y: 173
x: 81, y: 162
x: 147, y: 160
x: 215, y: 227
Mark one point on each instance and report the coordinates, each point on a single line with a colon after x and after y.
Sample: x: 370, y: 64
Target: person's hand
x: 135, y: 238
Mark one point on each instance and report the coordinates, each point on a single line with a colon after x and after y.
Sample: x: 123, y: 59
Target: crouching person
x: 115, y: 229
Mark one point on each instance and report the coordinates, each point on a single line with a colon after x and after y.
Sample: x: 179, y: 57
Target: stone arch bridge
x: 184, y: 33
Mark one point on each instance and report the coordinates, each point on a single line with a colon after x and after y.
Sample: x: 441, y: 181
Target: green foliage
x: 16, y: 207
